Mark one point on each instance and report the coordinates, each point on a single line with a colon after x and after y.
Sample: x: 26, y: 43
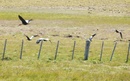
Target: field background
x: 57, y: 19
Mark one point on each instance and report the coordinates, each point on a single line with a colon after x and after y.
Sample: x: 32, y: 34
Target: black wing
x: 116, y: 31
x: 121, y: 35
x: 23, y: 21
x: 38, y: 41
x: 27, y: 38
x: 93, y: 35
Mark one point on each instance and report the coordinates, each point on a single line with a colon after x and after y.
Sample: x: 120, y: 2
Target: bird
x: 24, y: 22
x: 91, y: 37
x: 42, y: 39
x: 117, y: 31
x: 30, y: 38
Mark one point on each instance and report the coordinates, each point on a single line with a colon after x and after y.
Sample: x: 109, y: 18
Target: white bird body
x: 27, y: 21
x: 42, y: 39
x: 31, y: 37
x: 90, y: 38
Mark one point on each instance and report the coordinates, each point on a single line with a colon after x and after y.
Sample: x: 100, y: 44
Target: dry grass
x: 63, y: 68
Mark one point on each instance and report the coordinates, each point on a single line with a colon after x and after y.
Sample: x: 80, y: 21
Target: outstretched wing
x: 23, y: 21
x: 121, y: 35
x: 116, y: 31
x: 27, y: 38
x: 33, y: 36
x: 93, y: 35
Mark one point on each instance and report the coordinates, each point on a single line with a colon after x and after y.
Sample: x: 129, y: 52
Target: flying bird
x: 91, y: 37
x: 30, y: 38
x: 42, y: 39
x: 24, y: 22
x: 119, y: 33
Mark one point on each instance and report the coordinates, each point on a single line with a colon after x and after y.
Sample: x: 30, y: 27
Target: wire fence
x: 90, y: 51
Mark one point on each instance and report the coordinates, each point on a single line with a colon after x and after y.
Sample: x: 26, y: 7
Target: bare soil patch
x: 45, y: 29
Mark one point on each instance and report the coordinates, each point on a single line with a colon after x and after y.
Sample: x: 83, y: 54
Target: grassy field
x: 57, y: 19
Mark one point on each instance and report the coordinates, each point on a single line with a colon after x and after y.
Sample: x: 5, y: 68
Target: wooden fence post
x: 127, y: 58
x: 87, y: 50
x: 56, y: 50
x: 21, y: 51
x: 73, y: 50
x: 39, y: 50
x: 4, y: 49
x: 101, y: 51
x: 113, y: 51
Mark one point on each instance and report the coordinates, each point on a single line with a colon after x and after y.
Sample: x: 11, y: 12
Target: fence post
x: 127, y: 58
x: 4, y: 49
x: 21, y: 49
x: 87, y: 50
x: 56, y: 50
x: 73, y: 50
x: 113, y: 51
x: 39, y: 50
x: 101, y: 51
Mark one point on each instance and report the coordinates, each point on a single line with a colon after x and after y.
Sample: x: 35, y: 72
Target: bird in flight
x: 91, y: 37
x: 42, y: 39
x: 117, y: 31
x: 30, y: 38
x: 24, y: 22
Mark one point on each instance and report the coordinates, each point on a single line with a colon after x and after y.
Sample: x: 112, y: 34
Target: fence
x: 86, y: 52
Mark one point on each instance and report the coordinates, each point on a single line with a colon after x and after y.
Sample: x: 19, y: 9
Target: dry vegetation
x: 57, y: 19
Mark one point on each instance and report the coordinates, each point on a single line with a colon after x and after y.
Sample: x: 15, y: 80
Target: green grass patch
x: 78, y: 18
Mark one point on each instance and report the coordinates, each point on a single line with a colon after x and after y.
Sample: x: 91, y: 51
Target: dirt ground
x: 52, y: 28
x: 45, y: 29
